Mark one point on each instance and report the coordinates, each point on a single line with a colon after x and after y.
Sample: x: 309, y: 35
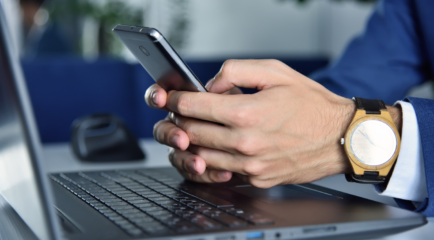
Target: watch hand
x: 366, y: 136
x: 369, y: 139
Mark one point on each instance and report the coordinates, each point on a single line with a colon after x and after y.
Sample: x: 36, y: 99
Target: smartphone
x: 159, y: 58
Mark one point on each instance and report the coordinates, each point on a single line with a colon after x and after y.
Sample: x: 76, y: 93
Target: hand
x: 156, y: 97
x: 288, y: 132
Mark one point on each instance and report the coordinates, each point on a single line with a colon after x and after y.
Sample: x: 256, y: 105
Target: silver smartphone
x: 159, y: 58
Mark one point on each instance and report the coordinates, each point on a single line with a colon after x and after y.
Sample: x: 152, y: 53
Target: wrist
x: 396, y: 114
x: 347, y: 114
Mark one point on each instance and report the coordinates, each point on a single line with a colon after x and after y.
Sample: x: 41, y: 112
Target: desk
x: 59, y: 158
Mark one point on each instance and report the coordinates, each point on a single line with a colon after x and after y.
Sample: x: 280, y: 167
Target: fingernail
x: 175, y: 141
x: 209, y: 84
x: 192, y: 166
x: 154, y: 98
x: 223, y: 175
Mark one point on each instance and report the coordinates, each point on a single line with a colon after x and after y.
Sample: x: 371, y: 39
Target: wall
x: 231, y: 28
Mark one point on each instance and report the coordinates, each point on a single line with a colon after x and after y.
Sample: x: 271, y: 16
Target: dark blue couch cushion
x: 62, y: 91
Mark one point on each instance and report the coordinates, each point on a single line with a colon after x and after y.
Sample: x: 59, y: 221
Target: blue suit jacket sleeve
x: 424, y: 109
x: 385, y: 61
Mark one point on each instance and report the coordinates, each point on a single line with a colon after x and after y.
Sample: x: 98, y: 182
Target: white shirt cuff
x: 408, y: 178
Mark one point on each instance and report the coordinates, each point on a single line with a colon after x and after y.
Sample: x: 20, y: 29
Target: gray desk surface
x: 59, y: 158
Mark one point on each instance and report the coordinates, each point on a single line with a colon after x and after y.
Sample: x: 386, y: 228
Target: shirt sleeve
x: 408, y: 178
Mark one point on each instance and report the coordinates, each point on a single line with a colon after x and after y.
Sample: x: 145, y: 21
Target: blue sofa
x: 63, y: 89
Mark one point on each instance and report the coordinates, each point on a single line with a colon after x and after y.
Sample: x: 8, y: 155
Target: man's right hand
x: 287, y: 133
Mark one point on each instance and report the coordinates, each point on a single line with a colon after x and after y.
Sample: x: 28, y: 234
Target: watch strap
x: 371, y: 106
x: 369, y: 177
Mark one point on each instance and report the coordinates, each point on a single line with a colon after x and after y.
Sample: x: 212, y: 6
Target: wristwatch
x: 371, y: 142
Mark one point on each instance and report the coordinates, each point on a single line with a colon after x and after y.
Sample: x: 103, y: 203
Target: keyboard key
x: 127, y: 213
x: 142, y: 220
x: 203, y: 209
x: 120, y: 221
x: 207, y: 224
x: 120, y: 208
x: 178, y: 209
x: 111, y: 200
x: 134, y: 232
x: 174, y: 221
x: 236, y: 211
x: 205, y: 196
x: 127, y: 195
x: 144, y: 205
x: 167, y: 191
x: 191, y: 216
x: 167, y: 202
x: 134, y: 198
x: 155, y: 229
x: 158, y: 198
x: 115, y: 218
x: 150, y: 209
x: 231, y: 221
x: 160, y: 213
x: 199, y: 204
x: 173, y: 205
x: 139, y: 201
x: 187, y: 201
x: 214, y: 212
x: 185, y: 227
x: 117, y: 204
x: 230, y: 208
x: 153, y: 195
x: 110, y: 214
x: 165, y: 218
x: 261, y: 221
x: 247, y: 216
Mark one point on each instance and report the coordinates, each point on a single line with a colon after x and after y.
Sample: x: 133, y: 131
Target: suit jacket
x: 394, y: 53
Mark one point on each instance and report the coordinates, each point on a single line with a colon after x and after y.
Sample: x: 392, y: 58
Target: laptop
x: 156, y: 203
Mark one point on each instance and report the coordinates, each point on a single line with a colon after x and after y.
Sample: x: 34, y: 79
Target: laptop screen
x: 21, y: 178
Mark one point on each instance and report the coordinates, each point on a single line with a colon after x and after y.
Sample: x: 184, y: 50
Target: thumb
x: 259, y: 74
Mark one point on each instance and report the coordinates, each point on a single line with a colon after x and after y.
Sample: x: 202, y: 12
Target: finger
x: 234, y: 90
x: 250, y: 74
x: 258, y: 181
x: 209, y: 176
x: 206, y: 134
x: 205, y: 106
x: 219, y: 160
x: 156, y: 96
x: 187, y: 162
x: 193, y: 167
x: 166, y: 132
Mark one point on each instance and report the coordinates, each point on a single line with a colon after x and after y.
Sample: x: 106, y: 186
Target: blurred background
x: 74, y: 65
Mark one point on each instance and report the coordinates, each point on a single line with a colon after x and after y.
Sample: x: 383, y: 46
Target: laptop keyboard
x: 145, y: 203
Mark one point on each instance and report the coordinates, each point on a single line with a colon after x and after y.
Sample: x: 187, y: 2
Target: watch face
x: 373, y: 142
